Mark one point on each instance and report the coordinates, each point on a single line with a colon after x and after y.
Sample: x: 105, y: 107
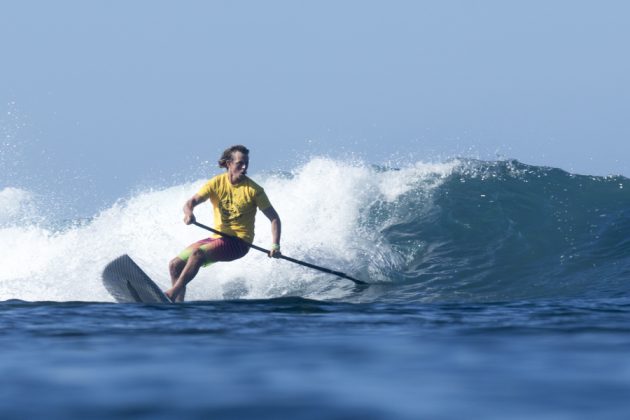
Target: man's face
x: 237, y: 166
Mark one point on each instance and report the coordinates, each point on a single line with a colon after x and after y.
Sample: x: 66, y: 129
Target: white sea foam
x: 15, y: 204
x: 320, y: 206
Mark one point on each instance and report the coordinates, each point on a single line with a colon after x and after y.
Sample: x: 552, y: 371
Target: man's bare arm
x: 189, y: 206
x: 276, y: 230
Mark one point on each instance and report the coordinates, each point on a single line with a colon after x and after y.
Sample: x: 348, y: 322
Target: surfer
x: 235, y: 198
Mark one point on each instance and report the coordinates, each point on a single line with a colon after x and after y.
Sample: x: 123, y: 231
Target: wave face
x: 502, y: 231
x: 456, y: 231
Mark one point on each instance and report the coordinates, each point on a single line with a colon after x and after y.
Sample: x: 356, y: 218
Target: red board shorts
x: 217, y: 249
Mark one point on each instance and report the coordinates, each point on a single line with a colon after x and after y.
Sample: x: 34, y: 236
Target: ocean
x: 498, y: 290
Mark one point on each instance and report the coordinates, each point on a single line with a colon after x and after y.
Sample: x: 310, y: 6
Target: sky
x: 98, y: 98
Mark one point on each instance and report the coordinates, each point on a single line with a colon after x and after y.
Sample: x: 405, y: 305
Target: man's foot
x: 169, y: 294
x: 175, y: 295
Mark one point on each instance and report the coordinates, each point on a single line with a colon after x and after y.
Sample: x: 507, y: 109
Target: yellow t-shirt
x: 235, y: 205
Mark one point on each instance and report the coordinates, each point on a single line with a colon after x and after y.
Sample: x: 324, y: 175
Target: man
x: 235, y: 199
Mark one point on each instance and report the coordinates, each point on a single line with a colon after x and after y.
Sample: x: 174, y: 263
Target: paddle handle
x: 284, y: 257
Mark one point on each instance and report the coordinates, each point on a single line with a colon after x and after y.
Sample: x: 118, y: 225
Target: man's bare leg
x: 186, y: 274
x: 175, y: 268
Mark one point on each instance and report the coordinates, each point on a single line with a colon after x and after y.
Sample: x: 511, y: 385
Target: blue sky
x: 107, y: 96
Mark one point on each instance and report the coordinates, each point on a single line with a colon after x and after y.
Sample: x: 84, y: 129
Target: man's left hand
x: 275, y: 251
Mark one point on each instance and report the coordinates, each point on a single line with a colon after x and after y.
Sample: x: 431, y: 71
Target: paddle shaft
x: 293, y: 260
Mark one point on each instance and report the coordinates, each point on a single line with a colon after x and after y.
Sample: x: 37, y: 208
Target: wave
x: 497, y: 231
x: 461, y: 230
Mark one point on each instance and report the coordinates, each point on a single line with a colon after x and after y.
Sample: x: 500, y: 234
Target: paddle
x: 293, y: 260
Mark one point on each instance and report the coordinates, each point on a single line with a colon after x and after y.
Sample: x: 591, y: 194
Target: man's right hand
x: 189, y: 217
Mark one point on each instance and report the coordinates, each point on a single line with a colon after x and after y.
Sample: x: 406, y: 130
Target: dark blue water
x: 500, y: 291
x: 295, y: 358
